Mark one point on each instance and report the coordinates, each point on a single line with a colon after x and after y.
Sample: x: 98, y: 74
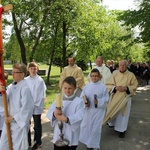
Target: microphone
x: 95, y: 100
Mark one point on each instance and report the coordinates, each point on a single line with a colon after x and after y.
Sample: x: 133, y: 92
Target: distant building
x: 7, y: 62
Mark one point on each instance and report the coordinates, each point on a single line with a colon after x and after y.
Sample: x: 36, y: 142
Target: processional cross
x: 2, y: 79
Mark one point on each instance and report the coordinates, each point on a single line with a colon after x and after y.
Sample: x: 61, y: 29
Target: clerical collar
x: 70, y: 98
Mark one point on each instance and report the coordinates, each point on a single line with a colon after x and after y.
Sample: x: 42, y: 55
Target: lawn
x: 53, y: 88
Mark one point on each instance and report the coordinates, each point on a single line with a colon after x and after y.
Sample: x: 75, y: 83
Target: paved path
x: 138, y: 133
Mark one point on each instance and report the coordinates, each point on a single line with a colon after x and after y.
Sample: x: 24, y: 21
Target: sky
x: 119, y: 4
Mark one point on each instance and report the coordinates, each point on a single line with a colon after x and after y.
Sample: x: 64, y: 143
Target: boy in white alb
x: 70, y: 116
x: 38, y: 89
x: 97, y: 97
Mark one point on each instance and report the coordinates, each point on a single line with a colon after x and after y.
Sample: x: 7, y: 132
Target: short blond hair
x: 21, y: 67
x: 33, y: 64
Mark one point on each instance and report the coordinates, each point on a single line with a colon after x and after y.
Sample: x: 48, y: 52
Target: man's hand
x: 121, y: 88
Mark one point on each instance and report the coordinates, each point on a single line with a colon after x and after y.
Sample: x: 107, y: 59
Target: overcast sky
x: 119, y: 4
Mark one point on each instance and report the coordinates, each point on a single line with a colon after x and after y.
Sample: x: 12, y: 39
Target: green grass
x: 53, y: 88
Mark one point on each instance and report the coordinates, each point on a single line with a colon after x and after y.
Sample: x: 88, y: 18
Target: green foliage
x: 12, y: 51
x: 139, y: 18
x: 82, y: 65
x: 52, y: 30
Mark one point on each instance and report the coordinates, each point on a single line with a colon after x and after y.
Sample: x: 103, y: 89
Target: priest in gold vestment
x: 73, y: 70
x: 121, y: 86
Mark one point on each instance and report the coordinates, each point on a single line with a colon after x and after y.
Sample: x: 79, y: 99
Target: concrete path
x: 138, y: 133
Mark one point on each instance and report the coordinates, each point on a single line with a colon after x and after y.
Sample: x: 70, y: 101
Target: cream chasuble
x: 119, y: 100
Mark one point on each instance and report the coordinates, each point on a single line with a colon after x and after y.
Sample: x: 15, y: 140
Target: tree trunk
x: 52, y: 54
x: 91, y: 65
x: 20, y: 40
x: 49, y: 72
x: 64, y: 44
x: 39, y: 35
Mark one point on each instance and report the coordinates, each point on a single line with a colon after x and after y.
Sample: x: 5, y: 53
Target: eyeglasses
x: 13, y: 72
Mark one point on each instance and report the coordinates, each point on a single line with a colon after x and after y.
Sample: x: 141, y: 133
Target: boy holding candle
x: 97, y: 98
x: 67, y: 109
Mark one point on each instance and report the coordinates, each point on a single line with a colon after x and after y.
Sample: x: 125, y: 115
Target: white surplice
x: 20, y: 103
x: 73, y: 110
x: 91, y: 125
x: 38, y: 91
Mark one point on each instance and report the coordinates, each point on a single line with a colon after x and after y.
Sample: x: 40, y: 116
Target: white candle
x: 58, y: 100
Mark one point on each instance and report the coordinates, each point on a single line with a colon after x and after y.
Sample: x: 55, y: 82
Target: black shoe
x: 36, y: 146
x: 122, y: 134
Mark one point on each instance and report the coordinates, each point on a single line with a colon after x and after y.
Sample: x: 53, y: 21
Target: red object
x: 2, y: 79
x: 1, y: 43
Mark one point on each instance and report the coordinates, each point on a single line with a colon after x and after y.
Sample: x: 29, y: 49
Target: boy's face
x: 33, y: 71
x: 95, y: 77
x: 68, y: 89
x: 17, y: 75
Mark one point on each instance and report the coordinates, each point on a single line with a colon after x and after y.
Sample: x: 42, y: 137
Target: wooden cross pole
x: 2, y: 79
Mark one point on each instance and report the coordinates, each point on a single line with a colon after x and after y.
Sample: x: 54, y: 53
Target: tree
x: 13, y: 52
x: 49, y: 31
x: 28, y: 21
x: 140, y: 18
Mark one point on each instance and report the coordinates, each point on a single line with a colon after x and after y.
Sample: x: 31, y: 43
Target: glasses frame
x: 13, y: 72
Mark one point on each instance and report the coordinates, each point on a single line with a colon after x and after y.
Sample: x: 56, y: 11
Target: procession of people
x: 105, y: 99
x: 80, y: 109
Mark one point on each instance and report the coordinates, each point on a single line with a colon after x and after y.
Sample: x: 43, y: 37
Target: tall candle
x: 58, y: 100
